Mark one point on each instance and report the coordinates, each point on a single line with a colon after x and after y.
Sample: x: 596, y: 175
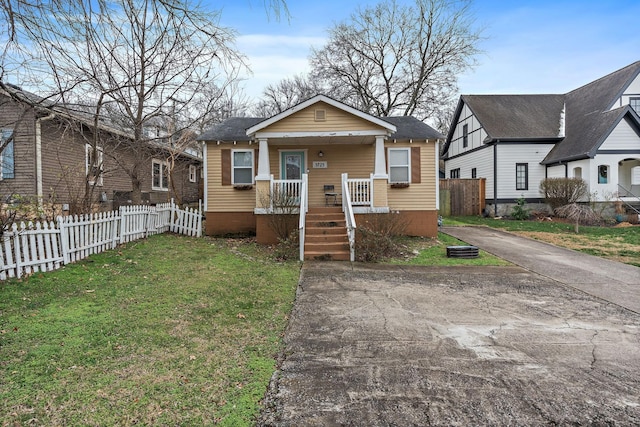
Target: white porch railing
x: 285, y: 192
x: 347, y: 207
x: 304, y: 205
x: 360, y: 189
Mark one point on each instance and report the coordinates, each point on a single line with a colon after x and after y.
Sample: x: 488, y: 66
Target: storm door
x: 291, y: 164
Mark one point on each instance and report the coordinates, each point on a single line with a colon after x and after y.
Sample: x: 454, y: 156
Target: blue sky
x: 541, y: 46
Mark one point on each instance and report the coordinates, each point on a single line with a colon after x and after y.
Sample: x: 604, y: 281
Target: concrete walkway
x: 612, y: 281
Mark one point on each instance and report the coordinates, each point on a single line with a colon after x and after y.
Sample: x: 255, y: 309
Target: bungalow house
x: 328, y: 158
x: 516, y: 141
x: 57, y: 158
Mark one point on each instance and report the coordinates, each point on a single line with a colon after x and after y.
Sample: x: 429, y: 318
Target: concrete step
x: 326, y: 246
x: 327, y: 256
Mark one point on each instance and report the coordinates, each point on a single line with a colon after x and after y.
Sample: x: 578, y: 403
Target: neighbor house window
x: 399, y: 165
x: 7, y: 157
x: 465, y: 136
x: 242, y: 167
x: 94, y: 166
x: 474, y: 173
x: 603, y: 174
x: 635, y: 175
x: 522, y: 176
x: 635, y: 104
x: 454, y: 173
x: 577, y: 172
x: 193, y: 171
x: 159, y: 175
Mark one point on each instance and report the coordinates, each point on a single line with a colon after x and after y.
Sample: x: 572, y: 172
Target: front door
x: 291, y: 164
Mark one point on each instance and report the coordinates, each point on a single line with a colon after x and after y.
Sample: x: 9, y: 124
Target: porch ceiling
x: 324, y: 140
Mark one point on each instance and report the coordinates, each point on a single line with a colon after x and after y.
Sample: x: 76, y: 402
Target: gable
x: 335, y: 119
x: 623, y: 137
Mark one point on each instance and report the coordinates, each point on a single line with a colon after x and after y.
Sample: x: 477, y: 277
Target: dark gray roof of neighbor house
x: 518, y: 116
x: 235, y: 129
x: 232, y: 129
x: 589, y: 117
x: 411, y: 128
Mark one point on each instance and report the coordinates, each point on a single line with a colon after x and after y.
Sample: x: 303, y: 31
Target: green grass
x: 434, y: 252
x: 166, y: 331
x: 615, y: 243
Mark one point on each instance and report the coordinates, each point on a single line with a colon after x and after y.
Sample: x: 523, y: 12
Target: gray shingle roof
x: 518, y: 116
x: 587, y: 114
x: 589, y: 118
x: 234, y: 129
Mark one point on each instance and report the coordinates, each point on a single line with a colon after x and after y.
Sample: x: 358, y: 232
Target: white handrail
x: 360, y: 190
x: 349, y: 217
x: 303, y: 213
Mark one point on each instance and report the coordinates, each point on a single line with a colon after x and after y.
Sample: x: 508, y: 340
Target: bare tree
x: 285, y: 94
x: 391, y: 59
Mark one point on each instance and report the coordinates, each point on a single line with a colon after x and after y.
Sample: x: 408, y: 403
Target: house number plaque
x: 320, y: 165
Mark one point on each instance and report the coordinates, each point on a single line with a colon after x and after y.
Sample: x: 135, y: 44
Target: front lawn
x: 169, y: 330
x: 618, y: 243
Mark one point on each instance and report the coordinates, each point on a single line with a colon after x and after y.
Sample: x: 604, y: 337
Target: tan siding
x: 225, y: 198
x: 336, y: 120
x: 418, y: 196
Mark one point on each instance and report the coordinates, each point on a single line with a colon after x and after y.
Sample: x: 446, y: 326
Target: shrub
x: 520, y: 211
x: 562, y: 191
x: 375, y: 237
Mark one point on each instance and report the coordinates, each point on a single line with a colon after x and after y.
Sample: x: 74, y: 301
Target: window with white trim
x: 603, y: 174
x: 242, y: 167
x: 193, y: 173
x: 159, y: 175
x: 522, y: 176
x: 7, y: 165
x: 94, y: 164
x: 399, y: 165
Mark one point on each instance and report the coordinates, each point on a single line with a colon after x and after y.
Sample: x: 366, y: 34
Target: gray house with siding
x: 516, y: 141
x: 53, y: 156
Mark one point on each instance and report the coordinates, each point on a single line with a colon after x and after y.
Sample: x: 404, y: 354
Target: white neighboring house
x: 516, y: 141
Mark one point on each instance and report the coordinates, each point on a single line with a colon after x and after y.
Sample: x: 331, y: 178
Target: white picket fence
x: 29, y: 248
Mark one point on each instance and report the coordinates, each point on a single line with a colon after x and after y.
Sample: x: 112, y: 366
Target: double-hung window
x: 94, y: 165
x: 7, y: 165
x: 242, y: 167
x: 159, y: 175
x: 399, y: 165
x: 522, y: 176
x: 635, y: 104
x: 193, y: 173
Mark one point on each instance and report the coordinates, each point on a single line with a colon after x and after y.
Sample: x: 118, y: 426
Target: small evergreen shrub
x: 520, y: 210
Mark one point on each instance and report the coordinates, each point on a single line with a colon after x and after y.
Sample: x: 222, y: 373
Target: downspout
x: 39, y: 189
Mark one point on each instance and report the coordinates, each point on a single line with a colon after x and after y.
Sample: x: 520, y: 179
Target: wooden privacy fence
x: 29, y: 248
x: 462, y: 196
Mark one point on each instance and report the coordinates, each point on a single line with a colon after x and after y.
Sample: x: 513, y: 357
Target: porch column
x: 380, y: 170
x: 263, y: 161
x: 263, y: 178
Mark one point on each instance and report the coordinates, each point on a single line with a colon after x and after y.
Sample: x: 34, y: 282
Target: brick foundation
x: 221, y: 223
x: 418, y: 223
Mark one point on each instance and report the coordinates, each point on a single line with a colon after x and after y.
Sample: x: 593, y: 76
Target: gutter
x: 39, y: 190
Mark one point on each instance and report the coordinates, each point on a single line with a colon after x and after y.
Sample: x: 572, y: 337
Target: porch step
x: 326, y: 235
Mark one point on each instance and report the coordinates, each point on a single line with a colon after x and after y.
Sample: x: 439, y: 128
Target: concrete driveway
x: 612, y: 281
x: 371, y: 345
